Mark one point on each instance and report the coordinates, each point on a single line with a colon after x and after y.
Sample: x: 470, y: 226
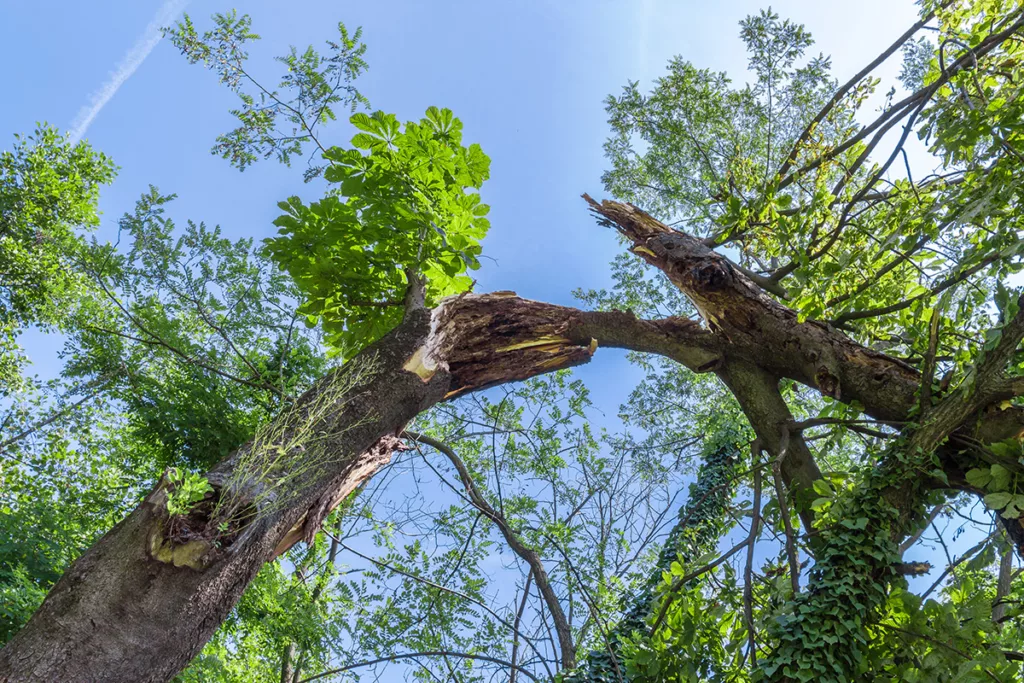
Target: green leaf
x: 998, y: 500
x: 979, y: 477
x: 1000, y: 478
x: 409, y: 203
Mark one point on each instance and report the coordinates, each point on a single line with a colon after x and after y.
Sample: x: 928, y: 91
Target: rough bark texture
x: 758, y: 396
x: 755, y: 330
x: 119, y: 614
x: 138, y: 607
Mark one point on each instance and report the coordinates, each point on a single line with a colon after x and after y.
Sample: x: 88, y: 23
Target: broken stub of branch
x: 489, y: 339
x: 191, y: 539
x: 729, y: 301
x: 913, y: 568
x: 166, y: 541
x: 692, y: 266
x: 478, y: 341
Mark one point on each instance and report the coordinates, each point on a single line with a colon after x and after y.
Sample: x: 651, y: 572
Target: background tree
x: 853, y: 378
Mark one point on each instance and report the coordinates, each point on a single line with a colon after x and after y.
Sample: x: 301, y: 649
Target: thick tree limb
x: 758, y: 394
x: 138, y: 605
x: 761, y: 331
x: 756, y: 330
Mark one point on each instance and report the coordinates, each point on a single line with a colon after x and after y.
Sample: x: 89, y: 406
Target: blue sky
x: 527, y: 78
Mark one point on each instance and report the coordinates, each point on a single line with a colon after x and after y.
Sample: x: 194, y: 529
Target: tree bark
x: 121, y: 614
x: 755, y: 330
x: 140, y: 604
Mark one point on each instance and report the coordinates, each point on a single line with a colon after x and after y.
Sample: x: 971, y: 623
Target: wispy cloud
x: 131, y: 61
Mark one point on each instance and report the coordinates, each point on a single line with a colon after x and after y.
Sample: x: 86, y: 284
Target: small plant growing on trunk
x: 185, y: 490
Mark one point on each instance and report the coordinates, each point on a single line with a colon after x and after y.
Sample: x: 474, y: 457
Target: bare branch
x: 748, y: 573
x: 526, y: 553
x: 428, y: 653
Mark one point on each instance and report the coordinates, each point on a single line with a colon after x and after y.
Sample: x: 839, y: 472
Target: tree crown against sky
x: 832, y: 336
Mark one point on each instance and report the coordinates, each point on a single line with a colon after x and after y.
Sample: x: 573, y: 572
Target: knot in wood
x: 674, y: 245
x: 711, y: 275
x: 827, y: 382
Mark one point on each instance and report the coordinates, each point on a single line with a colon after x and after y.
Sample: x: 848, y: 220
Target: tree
x: 48, y: 189
x: 857, y: 318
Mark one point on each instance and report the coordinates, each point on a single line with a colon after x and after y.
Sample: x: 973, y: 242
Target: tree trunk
x: 121, y: 614
x: 142, y: 602
x: 702, y: 522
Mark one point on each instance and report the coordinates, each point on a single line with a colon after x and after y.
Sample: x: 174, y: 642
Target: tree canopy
x: 325, y: 456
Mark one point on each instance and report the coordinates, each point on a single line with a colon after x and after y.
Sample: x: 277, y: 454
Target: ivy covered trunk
x: 143, y: 601
x: 822, y: 636
x: 701, y: 523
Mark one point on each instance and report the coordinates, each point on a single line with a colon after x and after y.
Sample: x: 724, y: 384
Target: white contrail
x: 126, y: 67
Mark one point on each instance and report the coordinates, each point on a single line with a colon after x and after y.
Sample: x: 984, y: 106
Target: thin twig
x: 566, y: 644
x: 780, y: 493
x: 426, y: 582
x: 748, y: 574
x: 411, y: 655
x: 519, y: 618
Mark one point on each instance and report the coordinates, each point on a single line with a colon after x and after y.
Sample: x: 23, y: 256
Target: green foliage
x: 183, y: 345
x: 290, y: 450
x: 184, y: 490
x: 49, y: 188
x: 61, y: 487
x: 688, y: 647
x: 951, y: 640
x: 405, y: 201
x: 316, y: 85
x: 848, y: 240
x: 849, y: 580
x: 279, y: 607
x: 709, y: 148
x: 186, y: 343
x: 842, y: 627
x: 1005, y: 493
x: 198, y: 336
x: 20, y: 596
